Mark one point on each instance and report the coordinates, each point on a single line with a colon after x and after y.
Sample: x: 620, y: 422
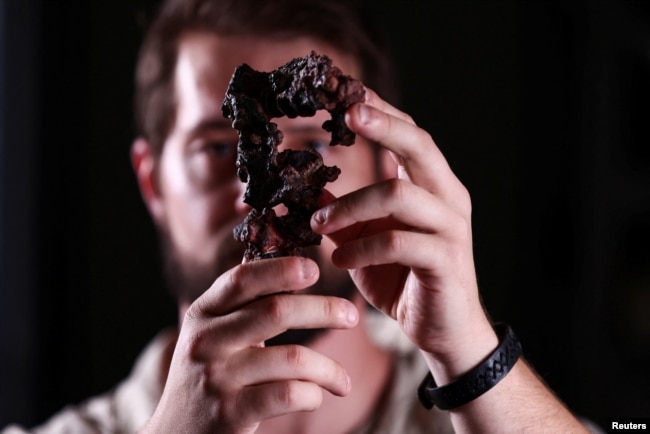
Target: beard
x: 188, y: 280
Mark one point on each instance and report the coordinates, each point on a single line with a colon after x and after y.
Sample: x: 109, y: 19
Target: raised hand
x: 223, y: 379
x: 408, y: 241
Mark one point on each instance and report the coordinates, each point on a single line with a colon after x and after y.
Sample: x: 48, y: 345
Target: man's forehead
x: 217, y: 56
x: 202, y: 67
x: 206, y: 63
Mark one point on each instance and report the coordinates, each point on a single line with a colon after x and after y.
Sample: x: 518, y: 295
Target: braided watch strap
x: 477, y: 381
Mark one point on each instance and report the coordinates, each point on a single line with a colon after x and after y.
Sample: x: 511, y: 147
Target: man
x: 289, y: 345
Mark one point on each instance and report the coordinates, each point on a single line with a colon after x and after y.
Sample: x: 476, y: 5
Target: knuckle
x: 237, y: 275
x: 408, y: 118
x: 275, y: 309
x: 419, y: 153
x: 328, y: 307
x: 396, y: 188
x: 295, y: 395
x: 195, y: 312
x: 456, y: 249
x: 464, y: 198
x: 425, y: 136
x: 461, y: 228
x: 295, y: 357
x: 214, y: 411
x: 241, y: 408
x: 394, y: 241
x: 287, y: 394
x: 468, y: 203
x: 465, y: 230
x: 455, y: 256
x: 193, y: 345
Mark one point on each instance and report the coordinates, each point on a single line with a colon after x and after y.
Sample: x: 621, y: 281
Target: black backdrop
x: 540, y: 107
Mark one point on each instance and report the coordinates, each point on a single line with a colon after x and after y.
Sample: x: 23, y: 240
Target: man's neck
x: 370, y: 369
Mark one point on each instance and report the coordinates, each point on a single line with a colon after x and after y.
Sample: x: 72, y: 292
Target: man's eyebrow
x: 304, y: 129
x: 212, y: 124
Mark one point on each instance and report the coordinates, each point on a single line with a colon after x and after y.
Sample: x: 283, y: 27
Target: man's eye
x: 320, y: 146
x: 221, y: 149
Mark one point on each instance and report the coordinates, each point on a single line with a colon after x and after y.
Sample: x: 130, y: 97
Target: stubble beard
x: 188, y: 280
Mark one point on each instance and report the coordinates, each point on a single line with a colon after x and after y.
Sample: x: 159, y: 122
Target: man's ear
x: 144, y: 165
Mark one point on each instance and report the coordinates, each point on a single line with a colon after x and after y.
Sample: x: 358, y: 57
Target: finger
x: 414, y: 146
x: 246, y: 282
x: 264, y: 401
x: 288, y: 362
x: 400, y: 200
x: 374, y: 100
x: 417, y: 154
x: 267, y: 317
x: 319, y: 222
x: 411, y: 249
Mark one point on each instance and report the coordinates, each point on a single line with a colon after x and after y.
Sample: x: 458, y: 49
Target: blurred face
x: 200, y: 194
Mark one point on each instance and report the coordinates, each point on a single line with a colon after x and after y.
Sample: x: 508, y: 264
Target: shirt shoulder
x: 401, y: 411
x: 122, y: 410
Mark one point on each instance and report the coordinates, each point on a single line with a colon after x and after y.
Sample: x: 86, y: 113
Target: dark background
x: 540, y: 107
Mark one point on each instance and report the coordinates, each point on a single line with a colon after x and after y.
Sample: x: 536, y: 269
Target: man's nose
x: 243, y: 208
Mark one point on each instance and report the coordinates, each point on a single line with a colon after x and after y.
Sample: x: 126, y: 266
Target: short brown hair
x: 335, y: 22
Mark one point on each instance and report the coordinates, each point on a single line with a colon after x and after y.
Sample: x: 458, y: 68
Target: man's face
x: 200, y: 193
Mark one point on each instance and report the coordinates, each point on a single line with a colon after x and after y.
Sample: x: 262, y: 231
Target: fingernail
x: 366, y: 94
x: 309, y: 269
x: 364, y: 113
x: 352, y: 315
x: 320, y: 216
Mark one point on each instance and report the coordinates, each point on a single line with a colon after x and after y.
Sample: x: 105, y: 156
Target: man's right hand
x: 223, y: 377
